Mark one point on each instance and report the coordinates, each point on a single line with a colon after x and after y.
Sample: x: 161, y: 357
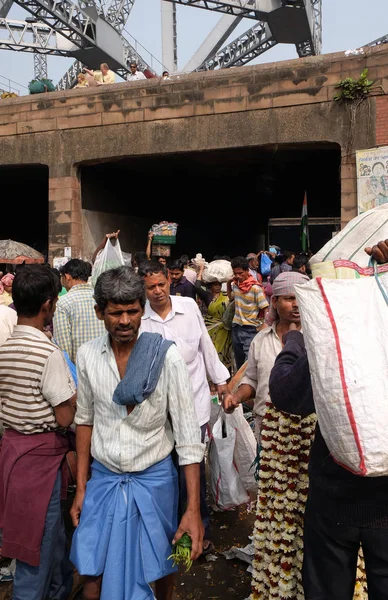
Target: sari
x: 221, y: 337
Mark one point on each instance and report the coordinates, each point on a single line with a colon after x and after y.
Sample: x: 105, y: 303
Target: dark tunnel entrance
x: 24, y: 205
x: 222, y: 200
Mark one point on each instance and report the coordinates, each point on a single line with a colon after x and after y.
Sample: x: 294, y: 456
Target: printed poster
x: 372, y: 178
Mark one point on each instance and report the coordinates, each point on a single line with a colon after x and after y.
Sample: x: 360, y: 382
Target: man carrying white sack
x: 343, y: 509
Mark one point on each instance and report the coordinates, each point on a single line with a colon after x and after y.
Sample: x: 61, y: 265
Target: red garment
x: 28, y: 468
x: 246, y: 285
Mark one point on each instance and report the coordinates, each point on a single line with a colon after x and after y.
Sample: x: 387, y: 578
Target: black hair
x: 185, y: 259
x: 77, y: 269
x: 139, y: 257
x: 378, y: 163
x: 177, y: 265
x: 151, y: 267
x: 58, y: 279
x: 32, y: 287
x: 240, y: 262
x: 285, y: 255
x: 119, y: 286
x: 300, y: 261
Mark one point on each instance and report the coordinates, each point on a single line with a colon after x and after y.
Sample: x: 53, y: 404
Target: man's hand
x: 222, y: 390
x: 150, y: 235
x: 75, y: 511
x: 191, y: 523
x: 379, y: 252
x: 292, y: 327
x: 112, y: 236
x: 229, y: 403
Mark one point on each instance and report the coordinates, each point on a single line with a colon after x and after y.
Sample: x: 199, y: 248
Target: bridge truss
x: 94, y: 31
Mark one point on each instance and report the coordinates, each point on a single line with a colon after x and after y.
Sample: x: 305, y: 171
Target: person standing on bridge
x: 135, y: 75
x: 103, y: 76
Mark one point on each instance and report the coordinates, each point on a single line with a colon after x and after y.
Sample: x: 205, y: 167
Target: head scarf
x: 7, y: 280
x: 283, y: 286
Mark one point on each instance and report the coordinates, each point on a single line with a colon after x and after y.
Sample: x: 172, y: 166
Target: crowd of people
x: 122, y: 374
x: 105, y: 76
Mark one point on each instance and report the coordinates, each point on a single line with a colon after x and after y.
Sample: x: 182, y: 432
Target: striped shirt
x: 34, y: 378
x: 75, y: 321
x: 248, y: 305
x: 125, y: 443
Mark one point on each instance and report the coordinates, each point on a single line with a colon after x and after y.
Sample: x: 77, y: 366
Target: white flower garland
x: 283, y: 485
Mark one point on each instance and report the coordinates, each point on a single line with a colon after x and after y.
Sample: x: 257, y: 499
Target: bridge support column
x: 65, y: 218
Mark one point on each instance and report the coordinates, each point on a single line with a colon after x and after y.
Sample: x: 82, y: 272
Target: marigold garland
x: 283, y: 485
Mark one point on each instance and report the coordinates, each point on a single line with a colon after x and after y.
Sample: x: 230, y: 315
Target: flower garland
x: 283, y: 486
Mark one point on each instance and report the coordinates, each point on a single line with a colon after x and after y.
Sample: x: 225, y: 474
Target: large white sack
x: 345, y: 328
x: 218, y: 270
x: 367, y: 229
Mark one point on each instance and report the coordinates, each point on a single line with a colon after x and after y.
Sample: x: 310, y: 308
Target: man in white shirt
x: 178, y: 318
x: 135, y: 75
x: 129, y: 388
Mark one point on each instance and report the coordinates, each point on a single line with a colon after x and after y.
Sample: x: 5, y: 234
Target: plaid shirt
x: 75, y: 321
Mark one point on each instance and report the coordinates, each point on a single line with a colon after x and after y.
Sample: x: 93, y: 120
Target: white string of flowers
x: 282, y: 495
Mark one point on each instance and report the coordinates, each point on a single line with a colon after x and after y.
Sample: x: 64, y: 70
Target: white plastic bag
x: 217, y: 270
x: 345, y: 328
x: 245, y: 448
x: 366, y: 229
x: 225, y: 482
x: 109, y: 258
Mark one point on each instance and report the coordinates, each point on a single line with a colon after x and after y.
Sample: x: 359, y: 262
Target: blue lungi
x: 127, y: 524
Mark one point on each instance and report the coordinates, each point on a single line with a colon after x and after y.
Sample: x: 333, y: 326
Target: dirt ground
x: 220, y: 579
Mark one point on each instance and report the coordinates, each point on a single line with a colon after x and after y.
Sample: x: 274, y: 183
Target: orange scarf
x: 246, y: 285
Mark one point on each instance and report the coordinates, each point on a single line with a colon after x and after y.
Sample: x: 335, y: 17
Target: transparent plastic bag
x: 109, y: 258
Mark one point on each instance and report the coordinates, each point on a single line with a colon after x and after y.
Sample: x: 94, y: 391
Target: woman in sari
x: 221, y: 337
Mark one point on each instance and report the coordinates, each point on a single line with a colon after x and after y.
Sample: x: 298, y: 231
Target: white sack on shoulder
x: 366, y: 229
x: 345, y: 327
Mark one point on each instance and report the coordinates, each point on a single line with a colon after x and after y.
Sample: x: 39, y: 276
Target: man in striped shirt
x: 36, y: 394
x: 251, y: 307
x: 75, y: 321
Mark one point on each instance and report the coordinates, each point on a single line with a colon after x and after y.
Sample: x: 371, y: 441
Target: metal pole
x: 169, y: 36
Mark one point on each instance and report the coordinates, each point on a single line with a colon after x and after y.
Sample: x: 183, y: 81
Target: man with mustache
x: 134, y: 402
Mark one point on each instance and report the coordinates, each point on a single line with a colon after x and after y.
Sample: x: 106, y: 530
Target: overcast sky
x: 347, y: 24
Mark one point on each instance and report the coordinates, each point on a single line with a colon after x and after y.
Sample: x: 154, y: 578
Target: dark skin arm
x: 379, y: 252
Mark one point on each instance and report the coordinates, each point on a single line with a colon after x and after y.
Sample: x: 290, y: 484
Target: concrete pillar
x: 348, y: 189
x: 65, y: 218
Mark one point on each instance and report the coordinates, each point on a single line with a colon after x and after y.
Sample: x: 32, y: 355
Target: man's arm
x: 83, y: 444
x: 149, y: 244
x: 191, y: 521
x: 216, y: 371
x: 229, y: 289
x: 289, y: 383
x: 58, y: 388
x: 108, y: 236
x: 187, y: 435
x: 247, y: 388
x: 84, y: 420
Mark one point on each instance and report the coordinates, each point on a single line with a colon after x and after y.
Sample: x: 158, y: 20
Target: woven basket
x: 164, y: 239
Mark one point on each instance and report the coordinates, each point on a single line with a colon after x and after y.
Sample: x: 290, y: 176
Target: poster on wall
x: 372, y: 178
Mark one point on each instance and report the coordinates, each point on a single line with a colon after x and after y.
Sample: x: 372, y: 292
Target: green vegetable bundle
x: 181, y: 552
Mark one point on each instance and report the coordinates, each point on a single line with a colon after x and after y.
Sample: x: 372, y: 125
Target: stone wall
x: 288, y: 102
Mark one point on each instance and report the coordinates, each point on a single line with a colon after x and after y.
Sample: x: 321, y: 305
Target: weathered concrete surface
x: 288, y: 102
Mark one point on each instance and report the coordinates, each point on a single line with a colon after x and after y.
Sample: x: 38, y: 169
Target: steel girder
x: 379, y: 41
x: 5, y: 6
x: 118, y: 13
x: 40, y: 66
x: 79, y: 27
x: 243, y: 49
x: 313, y: 45
x: 236, y: 8
x: 29, y: 37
